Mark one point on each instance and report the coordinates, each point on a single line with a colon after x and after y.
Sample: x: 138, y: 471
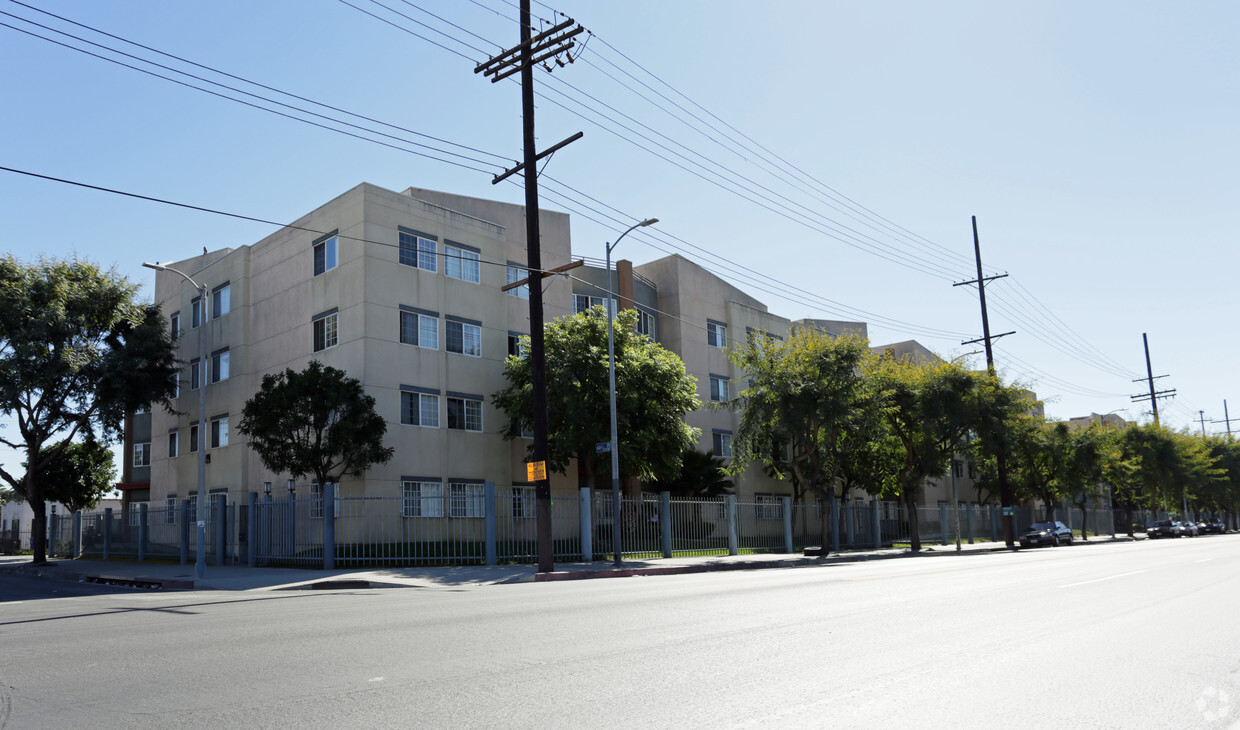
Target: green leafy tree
x: 998, y: 410
x: 1039, y: 450
x: 1082, y: 471
x: 78, y: 475
x: 653, y: 394
x: 807, y: 392
x: 702, y: 476
x: 315, y: 422
x: 77, y: 351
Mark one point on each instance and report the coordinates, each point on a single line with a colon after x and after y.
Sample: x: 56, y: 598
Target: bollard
x: 489, y: 499
x: 586, y: 526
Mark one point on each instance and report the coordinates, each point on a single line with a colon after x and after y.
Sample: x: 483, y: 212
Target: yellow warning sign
x: 536, y: 471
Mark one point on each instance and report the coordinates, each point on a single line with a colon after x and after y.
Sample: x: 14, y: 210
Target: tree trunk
x: 914, y: 531
x: 1127, y: 521
x: 38, y: 529
x: 1084, y: 523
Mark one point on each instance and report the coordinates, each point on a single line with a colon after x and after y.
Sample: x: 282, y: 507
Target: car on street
x: 1046, y: 533
x: 1190, y: 529
x: 1213, y: 526
x: 1164, y: 528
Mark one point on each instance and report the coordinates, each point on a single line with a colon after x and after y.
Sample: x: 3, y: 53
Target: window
x: 461, y: 262
x: 142, y: 454
x: 722, y: 442
x: 419, y: 409
x: 716, y: 333
x: 170, y: 510
x: 325, y: 332
x: 527, y: 430
x: 466, y: 499
x: 719, y: 388
x: 220, y: 301
x: 219, y: 366
x: 523, y: 503
x: 173, y: 445
x: 463, y: 336
x: 422, y: 499
x: 325, y: 254
x: 219, y: 431
x: 194, y: 374
x: 767, y: 507
x: 135, y: 513
x: 515, y: 348
x: 419, y: 328
x: 195, y: 318
x: 192, y: 502
x: 465, y: 412
x: 176, y: 387
x: 193, y: 438
x: 417, y: 250
x: 316, y: 500
x: 957, y: 468
x: 645, y: 324
x: 583, y: 302
x: 512, y: 276
x: 174, y: 325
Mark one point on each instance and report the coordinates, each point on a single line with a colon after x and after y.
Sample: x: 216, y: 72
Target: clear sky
x: 824, y: 156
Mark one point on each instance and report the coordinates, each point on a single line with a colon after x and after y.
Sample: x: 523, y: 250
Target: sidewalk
x: 173, y: 576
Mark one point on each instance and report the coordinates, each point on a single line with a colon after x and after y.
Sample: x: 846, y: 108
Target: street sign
x: 536, y: 471
x: 602, y: 448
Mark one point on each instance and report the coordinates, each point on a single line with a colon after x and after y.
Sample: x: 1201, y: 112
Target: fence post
x: 185, y: 515
x: 835, y: 526
x: 107, y: 533
x: 290, y: 526
x: 968, y: 518
x: 251, y: 530
x: 268, y: 526
x: 729, y: 501
x: 587, y: 526
x: 850, y: 536
x: 665, y: 523
x: 221, y: 528
x: 50, y: 542
x: 77, y: 534
x: 329, y: 526
x: 878, y: 523
x: 943, y: 523
x: 786, y: 502
x: 994, y: 525
x: 489, y: 538
x: 141, y: 532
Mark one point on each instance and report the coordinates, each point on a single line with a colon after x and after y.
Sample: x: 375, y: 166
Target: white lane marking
x: 1099, y: 580
x: 376, y: 679
x: 1204, y: 560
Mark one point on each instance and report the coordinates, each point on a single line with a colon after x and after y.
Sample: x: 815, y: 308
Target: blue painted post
x: 142, y: 532
x: 786, y: 503
x: 221, y: 528
x: 849, y: 530
x: 268, y: 526
x: 185, y: 516
x: 489, y: 499
x: 943, y: 523
x: 251, y: 530
x: 77, y: 533
x: 878, y: 523
x: 587, y: 526
x: 835, y: 526
x: 665, y: 523
x: 994, y: 523
x: 107, y: 533
x: 968, y: 517
x: 729, y: 502
x: 329, y: 526
x: 290, y: 526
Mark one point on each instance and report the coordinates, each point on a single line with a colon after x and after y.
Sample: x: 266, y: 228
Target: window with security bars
x: 422, y: 499
x: 524, y: 503
x: 170, y: 510
x: 466, y: 499
x: 767, y: 507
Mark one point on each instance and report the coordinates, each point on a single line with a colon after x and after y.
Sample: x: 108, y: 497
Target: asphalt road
x: 1115, y: 636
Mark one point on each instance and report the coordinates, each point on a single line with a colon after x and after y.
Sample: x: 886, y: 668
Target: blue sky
x: 824, y: 156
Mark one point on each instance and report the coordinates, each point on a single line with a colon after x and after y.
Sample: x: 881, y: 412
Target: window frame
x: 466, y: 260
x: 419, y: 316
x: 330, y: 258
x: 716, y: 334
x: 720, y: 388
x: 465, y: 327
x: 468, y: 402
x: 325, y: 326
x: 221, y: 300
x: 424, y: 397
x: 513, y: 273
x: 721, y: 443
x: 466, y: 498
x: 415, y: 504
x: 142, y: 454
x: 219, y: 431
x: 413, y: 253
x: 174, y: 444
x: 220, y: 360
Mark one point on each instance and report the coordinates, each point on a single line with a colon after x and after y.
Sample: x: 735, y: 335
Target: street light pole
x: 200, y: 563
x: 611, y: 385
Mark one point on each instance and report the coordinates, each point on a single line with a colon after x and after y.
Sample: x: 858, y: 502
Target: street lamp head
x: 157, y: 266
x: 648, y: 222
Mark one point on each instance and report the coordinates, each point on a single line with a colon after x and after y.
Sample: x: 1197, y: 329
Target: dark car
x: 1216, y: 527
x: 1164, y: 528
x: 1046, y: 533
x: 1189, y: 529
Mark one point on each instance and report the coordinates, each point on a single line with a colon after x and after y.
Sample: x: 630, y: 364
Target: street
x: 1088, y: 636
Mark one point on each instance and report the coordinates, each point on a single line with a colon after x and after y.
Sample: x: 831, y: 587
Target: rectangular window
x: 193, y: 438
x: 719, y: 389
x: 523, y: 503
x: 419, y: 409
x: 957, y: 468
x: 420, y: 329
x: 325, y: 255
x: 220, y: 301
x: 142, y: 454
x: 422, y: 499
x: 767, y: 507
x: 722, y: 443
x: 645, y: 324
x: 192, y: 501
x: 135, y: 513
x: 512, y: 276
x: 174, y: 325
x: 466, y: 500
x: 219, y: 431
x: 716, y: 333
x: 170, y: 510
x: 173, y: 445
x: 325, y: 333
x: 514, y: 345
x: 195, y: 317
x: 316, y: 500
x: 219, y: 366
x: 463, y: 337
x: 461, y: 263
x: 176, y: 387
x: 583, y: 302
x: 417, y: 250
x: 465, y: 414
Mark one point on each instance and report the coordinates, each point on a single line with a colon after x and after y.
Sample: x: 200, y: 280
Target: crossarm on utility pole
x: 549, y: 272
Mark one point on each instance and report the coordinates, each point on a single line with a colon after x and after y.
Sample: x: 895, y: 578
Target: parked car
x: 1046, y: 533
x: 1216, y: 527
x: 1164, y: 528
x: 1190, y: 529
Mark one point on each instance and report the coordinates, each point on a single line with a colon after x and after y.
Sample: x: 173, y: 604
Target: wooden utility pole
x: 1007, y: 498
x: 1226, y: 419
x: 1153, y: 395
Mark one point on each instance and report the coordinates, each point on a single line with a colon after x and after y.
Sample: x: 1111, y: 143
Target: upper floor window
x: 325, y: 254
x: 645, y: 324
x: 219, y: 431
x: 419, y: 408
x: 195, y: 309
x: 716, y: 333
x: 465, y: 412
x: 142, y: 454
x: 719, y: 388
x: 515, y: 348
x: 417, y: 249
x: 419, y: 327
x: 461, y: 262
x: 195, y: 374
x: 174, y: 324
x: 583, y: 302
x: 721, y: 441
x: 325, y: 334
x: 512, y: 276
x: 219, y: 366
x: 173, y: 445
x: 220, y: 301
x: 463, y: 336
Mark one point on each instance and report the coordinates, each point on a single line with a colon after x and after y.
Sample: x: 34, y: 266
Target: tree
x: 1083, y: 467
x: 702, y: 476
x: 1039, y: 451
x: 79, y: 474
x: 77, y: 351
x: 317, y: 421
x: 653, y: 394
x: 807, y: 392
